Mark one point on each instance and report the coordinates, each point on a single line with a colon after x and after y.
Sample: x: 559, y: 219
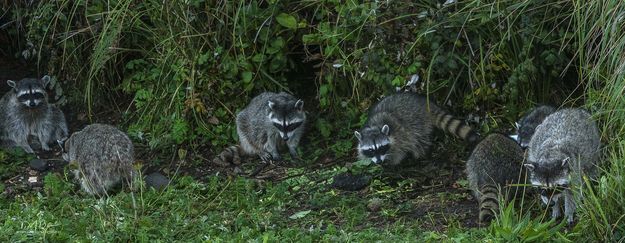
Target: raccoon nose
x: 285, y: 137
x: 32, y: 104
x: 377, y: 159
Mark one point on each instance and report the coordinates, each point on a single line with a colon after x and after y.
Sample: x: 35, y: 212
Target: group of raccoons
x: 102, y: 156
x: 561, y: 146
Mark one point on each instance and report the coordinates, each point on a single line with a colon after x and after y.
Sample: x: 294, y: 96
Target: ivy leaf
x: 299, y: 214
x: 287, y: 20
x: 246, y: 76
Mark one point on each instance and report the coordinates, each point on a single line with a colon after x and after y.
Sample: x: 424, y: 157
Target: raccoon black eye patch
x: 293, y: 126
x: 384, y: 148
x: 288, y: 128
x: 369, y: 152
x: 26, y: 97
x: 279, y: 126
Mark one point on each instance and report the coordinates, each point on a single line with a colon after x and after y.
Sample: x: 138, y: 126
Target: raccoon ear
x: 386, y: 129
x: 299, y: 105
x: 529, y: 166
x: 11, y: 83
x: 46, y: 80
x: 565, y: 162
x: 271, y: 104
x: 357, y: 134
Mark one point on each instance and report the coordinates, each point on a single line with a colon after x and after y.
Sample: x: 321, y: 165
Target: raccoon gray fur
x: 102, y: 156
x: 270, y: 121
x: 401, y: 125
x: 528, y: 123
x: 26, y: 112
x: 496, y: 162
x: 564, y: 147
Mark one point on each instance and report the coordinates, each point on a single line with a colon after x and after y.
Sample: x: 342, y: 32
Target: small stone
x: 39, y: 165
x: 32, y: 179
x: 349, y: 182
x: 375, y: 204
x: 157, y: 181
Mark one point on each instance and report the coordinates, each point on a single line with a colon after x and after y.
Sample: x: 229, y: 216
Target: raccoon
x: 564, y: 147
x: 401, y: 125
x: 26, y: 112
x: 494, y: 163
x: 102, y: 157
x: 270, y: 121
x: 528, y: 123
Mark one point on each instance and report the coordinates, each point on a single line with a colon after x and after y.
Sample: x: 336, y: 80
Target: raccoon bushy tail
x: 488, y: 202
x: 447, y: 122
x: 231, y: 155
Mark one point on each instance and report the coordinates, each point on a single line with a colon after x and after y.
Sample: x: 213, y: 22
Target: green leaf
x: 299, y: 214
x: 247, y: 76
x: 311, y: 39
x: 363, y: 162
x: 287, y: 20
x: 258, y: 58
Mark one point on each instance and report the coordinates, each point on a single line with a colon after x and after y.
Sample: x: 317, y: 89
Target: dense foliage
x: 182, y: 61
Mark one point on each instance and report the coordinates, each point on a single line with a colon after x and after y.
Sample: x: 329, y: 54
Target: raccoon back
x: 419, y: 114
x: 104, y: 155
x: 409, y: 119
x: 571, y: 130
x: 528, y: 123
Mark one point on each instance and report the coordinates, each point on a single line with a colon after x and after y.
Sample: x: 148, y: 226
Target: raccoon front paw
x: 293, y: 153
x: 265, y: 157
x: 555, y: 212
x: 28, y: 149
x: 570, y: 219
x: 45, y: 147
x: 276, y: 157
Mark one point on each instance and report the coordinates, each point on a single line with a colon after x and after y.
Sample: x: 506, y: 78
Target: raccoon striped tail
x: 447, y: 122
x: 230, y: 156
x: 489, y: 203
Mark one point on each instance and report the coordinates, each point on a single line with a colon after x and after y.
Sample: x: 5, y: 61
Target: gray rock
x: 156, y: 180
x: 39, y: 165
x: 348, y: 182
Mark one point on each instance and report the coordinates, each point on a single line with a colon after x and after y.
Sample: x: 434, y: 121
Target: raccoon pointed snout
x: 285, y: 137
x: 378, y: 159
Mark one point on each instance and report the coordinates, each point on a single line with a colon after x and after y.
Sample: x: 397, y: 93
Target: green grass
x: 221, y: 209
x: 600, y: 37
x: 299, y: 208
